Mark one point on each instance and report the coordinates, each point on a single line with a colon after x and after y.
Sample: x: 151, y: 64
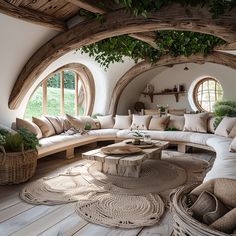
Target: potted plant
x: 18, y: 156
x: 137, y: 134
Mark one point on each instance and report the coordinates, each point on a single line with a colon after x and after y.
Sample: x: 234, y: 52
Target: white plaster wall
x: 18, y: 41
x: 131, y: 93
x: 176, y: 75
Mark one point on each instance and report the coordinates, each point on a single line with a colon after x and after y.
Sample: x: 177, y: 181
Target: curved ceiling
x: 118, y: 23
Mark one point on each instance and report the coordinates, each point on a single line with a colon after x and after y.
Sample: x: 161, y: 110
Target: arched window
x: 206, y: 92
x: 65, y: 91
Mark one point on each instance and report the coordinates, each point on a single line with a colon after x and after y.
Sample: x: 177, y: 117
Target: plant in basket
x: 135, y: 130
x: 18, y: 156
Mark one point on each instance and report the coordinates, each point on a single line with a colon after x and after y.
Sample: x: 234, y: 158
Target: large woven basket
x: 184, y: 223
x: 17, y: 167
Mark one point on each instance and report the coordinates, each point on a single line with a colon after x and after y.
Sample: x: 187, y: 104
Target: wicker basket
x: 17, y: 167
x: 184, y: 223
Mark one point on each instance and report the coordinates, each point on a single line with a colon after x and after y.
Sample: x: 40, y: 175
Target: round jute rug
x: 125, y: 211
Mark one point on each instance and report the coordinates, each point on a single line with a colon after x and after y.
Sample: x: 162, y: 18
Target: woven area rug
x: 117, y: 201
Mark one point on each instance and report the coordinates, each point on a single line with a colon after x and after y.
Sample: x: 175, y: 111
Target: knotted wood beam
x: 175, y: 17
x: 31, y: 16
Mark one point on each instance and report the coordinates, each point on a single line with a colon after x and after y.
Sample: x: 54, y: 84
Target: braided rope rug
x: 112, y: 200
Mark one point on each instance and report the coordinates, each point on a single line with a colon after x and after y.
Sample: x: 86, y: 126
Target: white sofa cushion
x: 142, y: 122
x: 225, y: 162
x: 57, y: 123
x: 108, y: 133
x: 61, y: 141
x: 122, y: 122
x: 106, y: 122
x: 158, y: 123
x: 232, y: 147
x: 225, y: 126
x: 196, y: 122
x: 176, y: 122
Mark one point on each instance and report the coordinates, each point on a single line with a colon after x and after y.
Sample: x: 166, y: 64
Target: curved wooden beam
x: 32, y: 16
x: 174, y: 17
x: 216, y: 57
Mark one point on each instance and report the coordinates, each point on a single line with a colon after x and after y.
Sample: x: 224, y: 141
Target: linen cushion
x: 29, y: 125
x: 208, y: 208
x: 232, y: 133
x: 66, y: 123
x: 225, y: 126
x: 141, y: 122
x: 196, y: 122
x: 45, y: 126
x: 106, y: 122
x: 122, y: 122
x: 232, y: 147
x: 88, y: 120
x: 176, y: 122
x: 159, y: 123
x: 75, y: 122
x: 57, y: 123
x: 210, y: 124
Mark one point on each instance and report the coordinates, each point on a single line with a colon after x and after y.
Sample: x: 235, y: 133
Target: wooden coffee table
x: 125, y: 164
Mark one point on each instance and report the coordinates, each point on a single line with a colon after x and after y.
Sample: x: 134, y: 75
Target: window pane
x: 81, y: 98
x: 69, y: 92
x: 35, y: 104
x: 53, y: 95
x: 209, y: 91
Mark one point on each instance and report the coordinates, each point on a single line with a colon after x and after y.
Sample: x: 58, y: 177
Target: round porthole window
x: 206, y: 92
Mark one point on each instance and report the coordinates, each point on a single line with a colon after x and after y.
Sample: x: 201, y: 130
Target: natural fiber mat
x: 112, y: 200
x: 126, y: 211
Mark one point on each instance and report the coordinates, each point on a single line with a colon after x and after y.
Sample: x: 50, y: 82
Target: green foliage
x: 144, y: 7
x: 3, y: 131
x: 174, y: 43
x: 30, y: 141
x: 171, y: 129
x: 88, y: 126
x: 224, y: 108
x: 13, y: 142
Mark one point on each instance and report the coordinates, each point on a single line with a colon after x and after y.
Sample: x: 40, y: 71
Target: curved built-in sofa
x: 223, y: 167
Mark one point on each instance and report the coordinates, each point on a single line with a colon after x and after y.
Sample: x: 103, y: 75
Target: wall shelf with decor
x: 176, y: 94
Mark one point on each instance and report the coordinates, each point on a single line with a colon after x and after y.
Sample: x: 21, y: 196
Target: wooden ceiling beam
x: 88, y: 5
x: 31, y: 16
x: 175, y: 17
x: 147, y: 37
x: 15, y: 2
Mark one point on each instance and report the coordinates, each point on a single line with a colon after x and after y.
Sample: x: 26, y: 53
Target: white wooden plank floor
x: 21, y: 219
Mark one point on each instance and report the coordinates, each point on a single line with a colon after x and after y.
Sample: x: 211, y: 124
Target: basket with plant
x: 18, y: 156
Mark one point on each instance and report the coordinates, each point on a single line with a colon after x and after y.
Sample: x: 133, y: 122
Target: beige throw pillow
x: 196, y: 122
x: 142, y: 122
x: 106, y: 122
x: 66, y: 123
x: 45, y: 126
x: 232, y: 133
x: 225, y: 126
x: 75, y: 122
x: 159, y: 123
x: 176, y: 122
x: 122, y: 122
x: 232, y: 147
x: 88, y: 120
x: 29, y: 125
x: 210, y: 124
x: 57, y: 123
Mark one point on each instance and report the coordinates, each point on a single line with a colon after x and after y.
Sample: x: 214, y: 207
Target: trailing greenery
x: 224, y: 108
x: 144, y: 7
x: 14, y: 142
x: 174, y: 43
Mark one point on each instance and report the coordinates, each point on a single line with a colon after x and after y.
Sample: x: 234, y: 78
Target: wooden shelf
x: 176, y: 94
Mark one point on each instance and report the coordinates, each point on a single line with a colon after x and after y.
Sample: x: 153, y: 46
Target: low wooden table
x: 125, y: 165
